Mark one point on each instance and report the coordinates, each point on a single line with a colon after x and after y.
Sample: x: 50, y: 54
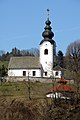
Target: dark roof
x: 24, y: 62
x: 48, y: 34
x: 57, y: 68
x: 49, y: 40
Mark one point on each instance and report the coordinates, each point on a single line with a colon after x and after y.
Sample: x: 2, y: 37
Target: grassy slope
x: 20, y: 89
x: 15, y: 105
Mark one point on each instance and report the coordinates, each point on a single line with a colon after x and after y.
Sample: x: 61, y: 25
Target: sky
x: 22, y: 23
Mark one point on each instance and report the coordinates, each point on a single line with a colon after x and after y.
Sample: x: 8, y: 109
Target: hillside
x: 16, y: 105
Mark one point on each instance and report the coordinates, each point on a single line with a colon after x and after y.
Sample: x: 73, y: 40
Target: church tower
x: 47, y: 50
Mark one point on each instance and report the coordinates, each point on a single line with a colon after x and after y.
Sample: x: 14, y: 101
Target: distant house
x: 57, y: 71
x: 61, y: 90
x: 38, y: 66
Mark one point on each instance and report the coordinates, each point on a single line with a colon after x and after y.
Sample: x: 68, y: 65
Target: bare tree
x: 29, y: 86
x: 34, y: 51
x: 51, y: 75
x: 73, y: 61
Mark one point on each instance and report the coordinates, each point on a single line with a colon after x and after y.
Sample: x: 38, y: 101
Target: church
x: 42, y: 66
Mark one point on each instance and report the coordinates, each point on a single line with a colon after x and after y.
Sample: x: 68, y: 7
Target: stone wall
x: 32, y: 79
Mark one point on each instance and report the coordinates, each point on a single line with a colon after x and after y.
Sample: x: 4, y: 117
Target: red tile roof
x: 62, y: 86
x: 62, y: 80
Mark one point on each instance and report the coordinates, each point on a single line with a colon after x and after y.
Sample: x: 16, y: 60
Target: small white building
x: 24, y: 66
x: 57, y: 71
x: 42, y: 66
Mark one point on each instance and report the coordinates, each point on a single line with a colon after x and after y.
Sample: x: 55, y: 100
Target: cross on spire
x: 48, y: 12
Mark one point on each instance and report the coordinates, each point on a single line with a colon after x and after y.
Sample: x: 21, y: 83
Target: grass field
x: 25, y: 90
x: 21, y: 89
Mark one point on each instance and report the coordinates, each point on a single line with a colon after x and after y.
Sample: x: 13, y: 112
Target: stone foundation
x: 32, y: 79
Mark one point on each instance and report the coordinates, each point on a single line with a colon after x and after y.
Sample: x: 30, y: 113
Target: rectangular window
x: 34, y: 73
x: 45, y: 73
x: 24, y: 73
x: 56, y: 73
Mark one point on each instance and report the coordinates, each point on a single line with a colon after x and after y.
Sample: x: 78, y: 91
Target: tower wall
x: 47, y: 50
x: 47, y: 60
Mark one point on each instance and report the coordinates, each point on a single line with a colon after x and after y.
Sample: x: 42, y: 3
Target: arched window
x: 46, y: 51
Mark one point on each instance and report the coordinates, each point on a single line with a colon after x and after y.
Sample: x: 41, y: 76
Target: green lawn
x: 21, y: 89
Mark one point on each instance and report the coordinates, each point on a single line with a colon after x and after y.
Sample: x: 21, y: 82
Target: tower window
x: 46, y: 51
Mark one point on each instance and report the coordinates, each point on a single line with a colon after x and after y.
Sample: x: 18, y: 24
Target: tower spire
x: 48, y: 14
x: 47, y: 33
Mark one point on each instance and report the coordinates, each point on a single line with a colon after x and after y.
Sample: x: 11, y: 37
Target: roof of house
x: 24, y: 62
x: 62, y: 80
x: 57, y: 68
x: 62, y: 86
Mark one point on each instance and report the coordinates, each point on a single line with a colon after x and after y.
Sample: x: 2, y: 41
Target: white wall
x: 19, y: 72
x: 57, y: 76
x: 46, y: 59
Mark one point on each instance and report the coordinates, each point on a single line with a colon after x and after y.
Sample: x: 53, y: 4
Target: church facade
x: 42, y: 66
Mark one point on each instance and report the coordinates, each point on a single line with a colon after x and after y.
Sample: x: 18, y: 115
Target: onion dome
x: 48, y: 34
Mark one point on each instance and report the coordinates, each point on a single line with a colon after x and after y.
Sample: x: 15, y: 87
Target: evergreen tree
x: 60, y: 59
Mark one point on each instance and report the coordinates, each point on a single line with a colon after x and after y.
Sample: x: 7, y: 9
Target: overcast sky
x: 22, y: 22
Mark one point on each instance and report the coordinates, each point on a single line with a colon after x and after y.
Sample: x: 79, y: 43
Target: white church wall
x: 24, y: 72
x: 14, y: 72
